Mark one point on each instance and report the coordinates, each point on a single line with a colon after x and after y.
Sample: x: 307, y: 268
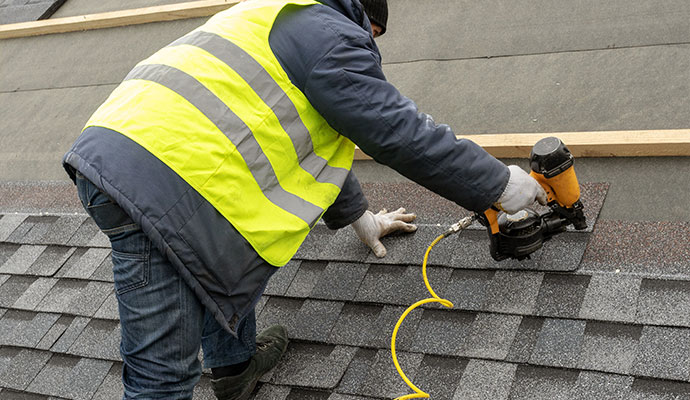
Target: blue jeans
x: 162, y: 321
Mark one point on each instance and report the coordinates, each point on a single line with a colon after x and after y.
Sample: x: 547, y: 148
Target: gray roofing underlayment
x: 597, y: 314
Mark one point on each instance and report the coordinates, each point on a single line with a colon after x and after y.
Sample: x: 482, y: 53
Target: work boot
x: 270, y: 346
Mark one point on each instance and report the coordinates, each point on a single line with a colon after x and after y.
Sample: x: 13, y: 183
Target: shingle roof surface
x: 598, y: 313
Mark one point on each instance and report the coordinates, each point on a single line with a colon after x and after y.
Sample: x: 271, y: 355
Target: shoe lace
x: 262, y: 345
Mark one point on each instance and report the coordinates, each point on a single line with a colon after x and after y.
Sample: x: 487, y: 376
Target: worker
x: 210, y: 163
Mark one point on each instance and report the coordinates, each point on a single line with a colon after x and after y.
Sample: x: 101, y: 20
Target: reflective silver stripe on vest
x: 274, y: 96
x: 236, y: 130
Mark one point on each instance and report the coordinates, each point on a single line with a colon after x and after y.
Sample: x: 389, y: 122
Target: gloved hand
x: 371, y: 227
x: 520, y: 192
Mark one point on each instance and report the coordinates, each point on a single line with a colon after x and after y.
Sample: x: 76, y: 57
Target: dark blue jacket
x: 329, y: 53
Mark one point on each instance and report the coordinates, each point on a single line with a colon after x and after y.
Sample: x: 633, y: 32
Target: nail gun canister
x: 552, y: 166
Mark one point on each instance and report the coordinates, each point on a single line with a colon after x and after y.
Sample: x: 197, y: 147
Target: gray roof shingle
x: 559, y: 343
x: 663, y: 352
x: 609, y: 347
x: 540, y: 383
x: 518, y: 330
x: 486, y: 380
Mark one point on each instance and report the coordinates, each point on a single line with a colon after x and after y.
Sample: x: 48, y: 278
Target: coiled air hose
x: 455, y: 228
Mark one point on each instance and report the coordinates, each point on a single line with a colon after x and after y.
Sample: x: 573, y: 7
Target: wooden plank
x: 648, y: 143
x: 111, y: 19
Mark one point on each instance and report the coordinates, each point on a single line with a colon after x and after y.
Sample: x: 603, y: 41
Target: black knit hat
x: 377, y: 11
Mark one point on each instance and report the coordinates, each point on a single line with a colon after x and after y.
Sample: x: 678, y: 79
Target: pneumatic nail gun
x: 521, y: 234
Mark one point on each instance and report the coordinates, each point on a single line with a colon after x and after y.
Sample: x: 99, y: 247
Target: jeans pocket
x: 107, y: 215
x: 130, y: 271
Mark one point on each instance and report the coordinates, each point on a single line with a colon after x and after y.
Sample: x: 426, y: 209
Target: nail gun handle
x: 562, y: 188
x: 490, y: 219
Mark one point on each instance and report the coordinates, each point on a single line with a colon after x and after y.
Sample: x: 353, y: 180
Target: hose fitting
x: 460, y: 225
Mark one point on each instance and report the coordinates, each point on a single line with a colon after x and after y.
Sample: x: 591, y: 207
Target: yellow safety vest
x: 218, y: 109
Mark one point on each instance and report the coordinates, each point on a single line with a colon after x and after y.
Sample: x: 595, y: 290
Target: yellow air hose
x: 418, y: 393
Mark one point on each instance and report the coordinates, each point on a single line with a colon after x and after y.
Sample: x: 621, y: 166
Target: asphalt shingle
x: 83, y: 264
x: 99, y: 339
x: 467, y: 289
x: 24, y: 328
x: 439, y: 376
x: 563, y: 252
x: 315, y: 242
x: 22, y: 259
x: 540, y: 383
x: 561, y: 295
x: 305, y: 394
x: 24, y: 367
x: 357, y: 325
x: 313, y: 365
x: 343, y: 245
x: 75, y: 297
x: 409, y: 248
x: 372, y: 373
x: 8, y: 223
x: 491, y: 336
x: 650, y: 249
x: 70, y: 334
x: 559, y: 343
x: 609, y: 347
x: 51, y: 260
x: 271, y: 392
x: 596, y: 386
x: 663, y: 353
x: 303, y: 282
x: 653, y: 389
x: 104, y: 272
x: 70, y: 377
x: 513, y: 292
x: 281, y: 311
x: 525, y: 340
x: 62, y: 229
x: 281, y: 279
x: 664, y: 302
x: 41, y: 225
x: 13, y: 288
x: 432, y: 335
x: 340, y: 281
x: 109, y: 308
x: 6, y: 252
x: 55, y: 332
x: 400, y: 285
x: 26, y: 234
x: 23, y: 229
x: 111, y: 387
x: 35, y: 293
x: 315, y: 320
x: 6, y: 356
x: 611, y: 297
x: 385, y: 323
x: 84, y: 234
x: 486, y: 380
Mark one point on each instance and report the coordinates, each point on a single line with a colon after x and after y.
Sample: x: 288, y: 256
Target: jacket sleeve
x: 348, y: 207
x: 349, y: 89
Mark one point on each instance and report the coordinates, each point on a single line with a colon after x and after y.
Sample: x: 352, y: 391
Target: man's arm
x: 348, y: 207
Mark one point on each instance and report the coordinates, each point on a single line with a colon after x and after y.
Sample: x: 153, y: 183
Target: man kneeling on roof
x: 210, y: 163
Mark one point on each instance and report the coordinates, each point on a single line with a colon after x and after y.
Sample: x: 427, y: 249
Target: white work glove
x: 520, y: 192
x: 371, y: 227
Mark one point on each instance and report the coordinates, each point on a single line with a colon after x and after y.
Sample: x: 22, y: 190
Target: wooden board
x: 111, y: 19
x: 648, y: 143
